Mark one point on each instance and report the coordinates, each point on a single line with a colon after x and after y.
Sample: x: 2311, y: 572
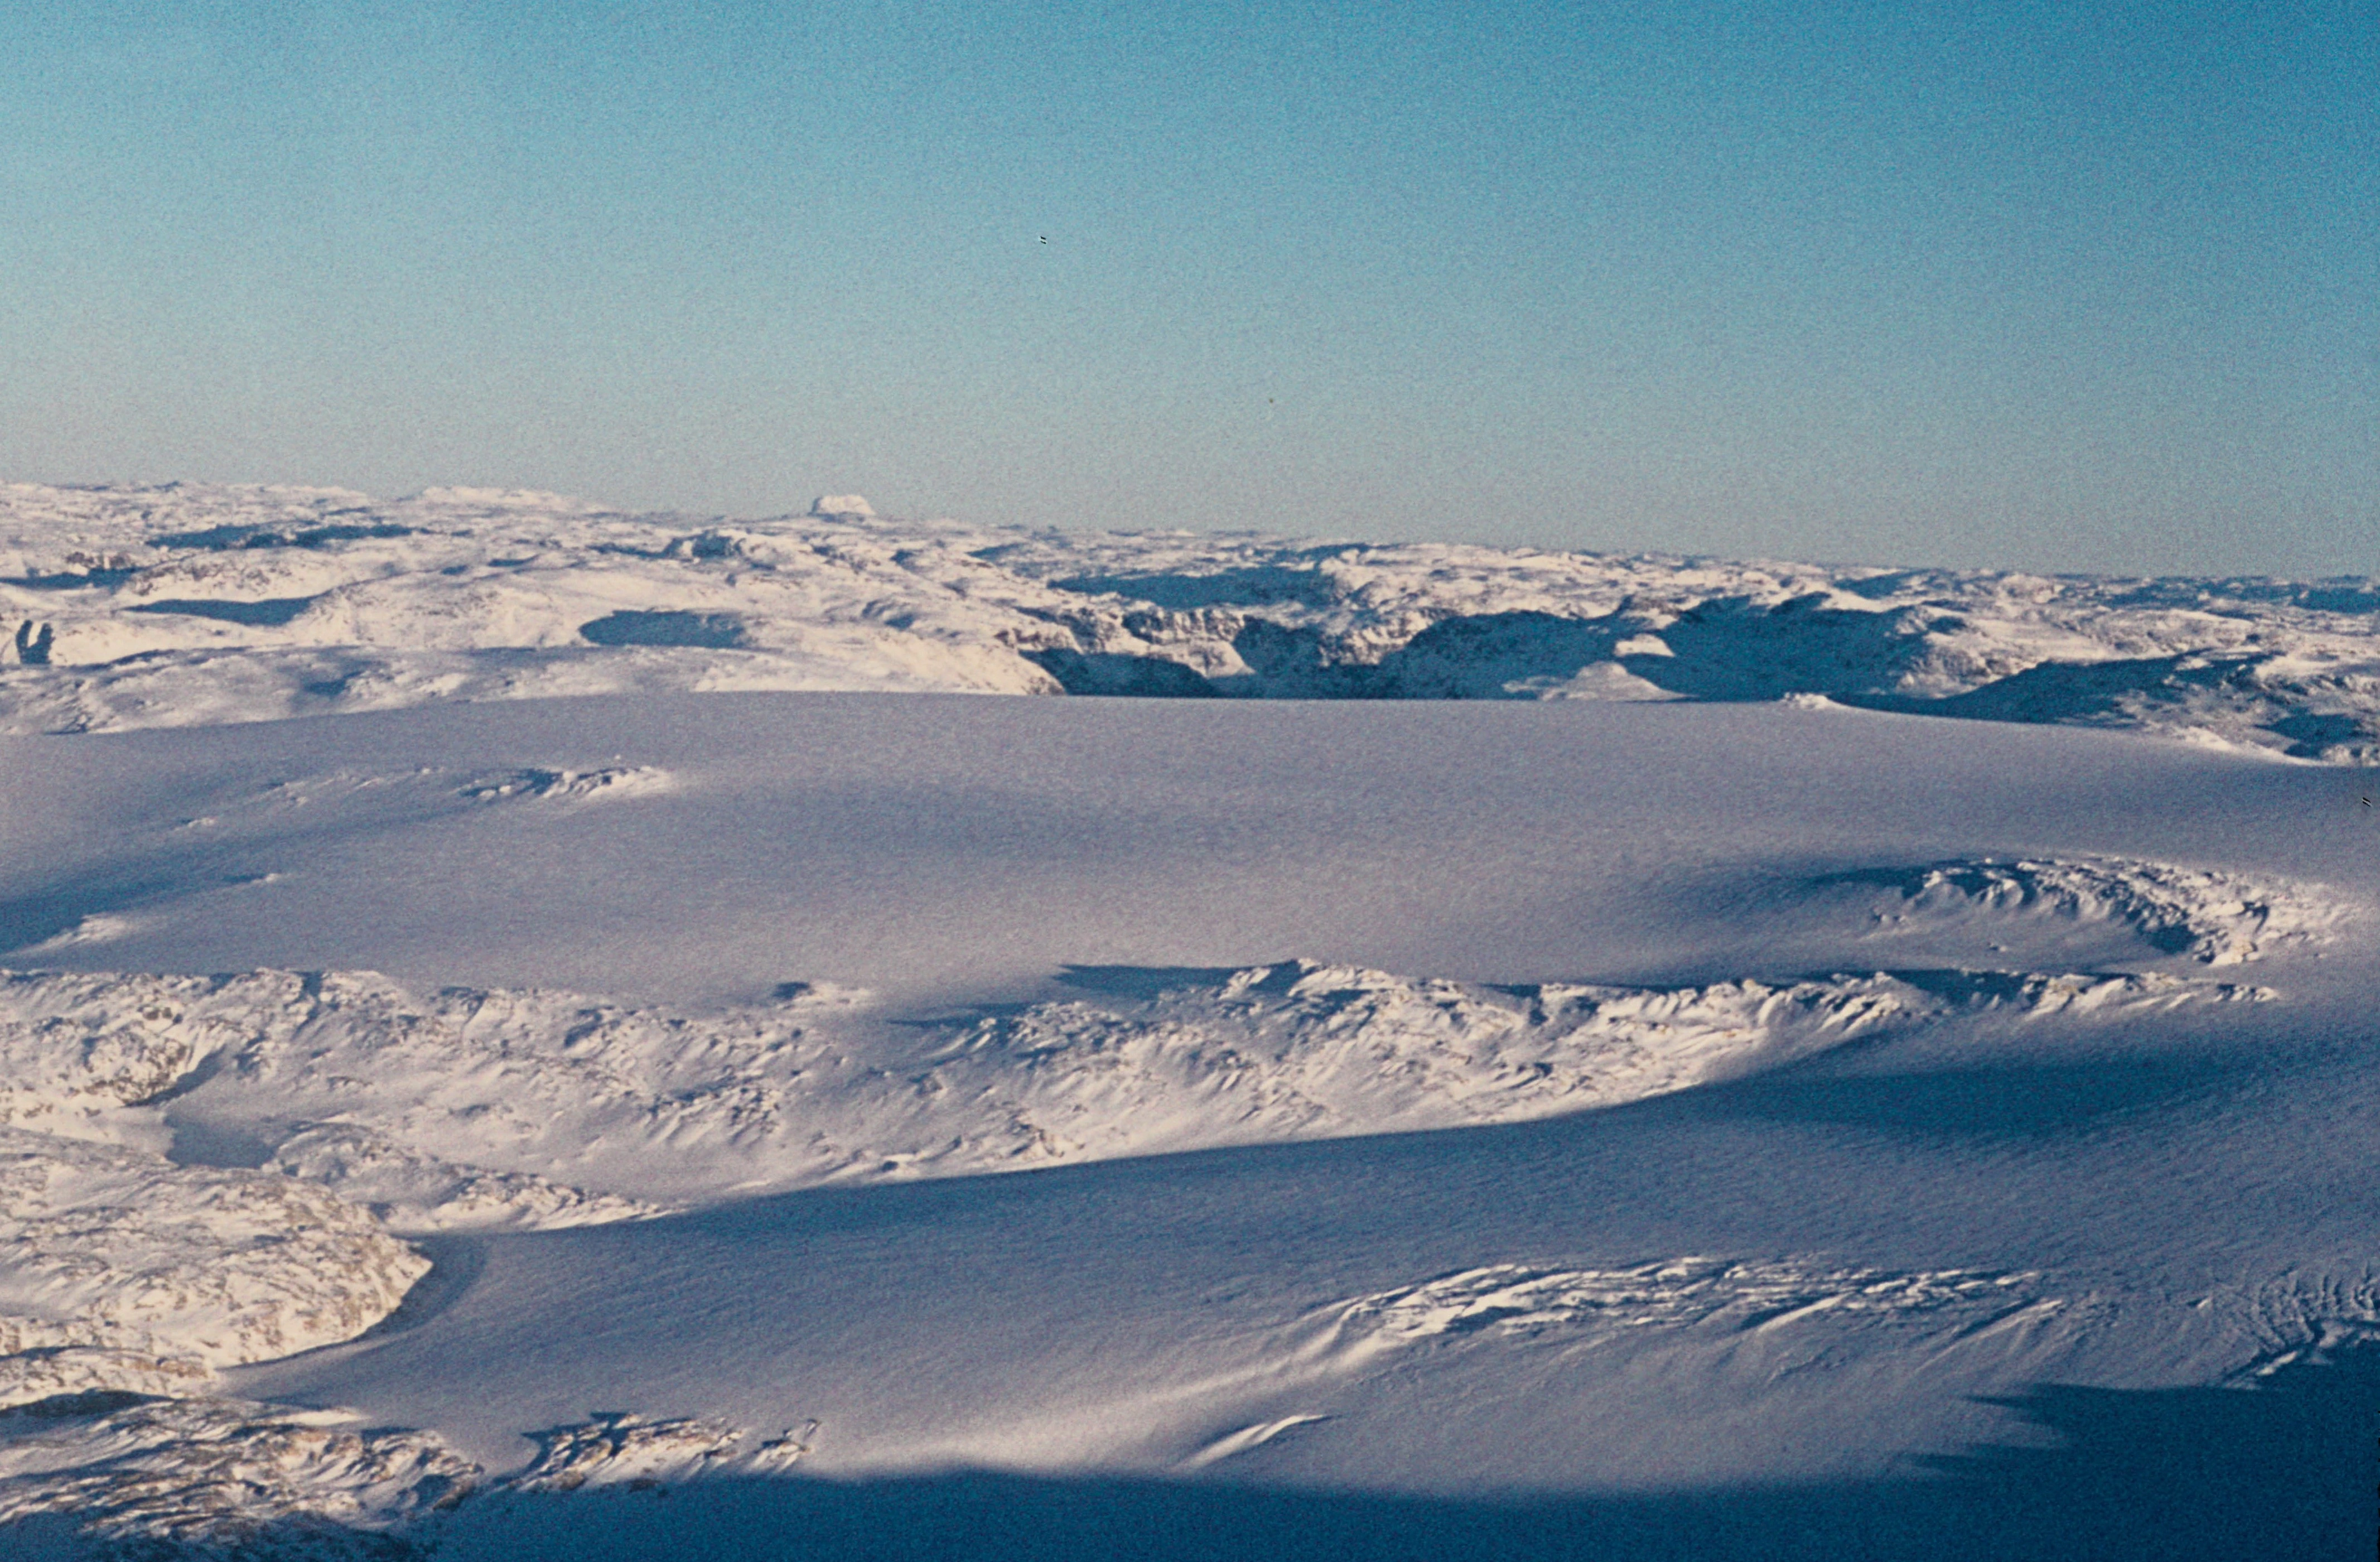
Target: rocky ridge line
x: 191, y: 604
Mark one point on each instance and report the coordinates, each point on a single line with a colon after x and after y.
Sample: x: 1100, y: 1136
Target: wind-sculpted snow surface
x: 1959, y: 1102
x: 613, y: 781
x: 195, y: 605
x: 1301, y: 1051
x: 617, y: 1448
x: 472, y: 1110
x: 2217, y: 919
x: 340, y: 1097
x: 1508, y: 1301
x: 218, y: 1477
x: 119, y: 1270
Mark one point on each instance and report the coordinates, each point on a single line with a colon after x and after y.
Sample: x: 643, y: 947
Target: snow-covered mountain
x: 1609, y: 1082
x: 185, y: 603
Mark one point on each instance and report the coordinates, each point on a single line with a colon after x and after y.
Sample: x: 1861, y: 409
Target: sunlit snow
x: 1472, y: 1052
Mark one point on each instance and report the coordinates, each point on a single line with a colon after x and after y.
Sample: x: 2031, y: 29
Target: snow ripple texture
x: 193, y: 605
x: 2302, y: 1316
x: 204, y: 1171
x: 1301, y: 1051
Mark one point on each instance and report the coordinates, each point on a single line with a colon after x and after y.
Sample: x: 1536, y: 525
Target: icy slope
x: 477, y: 1110
x: 133, y: 1276
x: 191, y: 604
x: 1678, y: 1096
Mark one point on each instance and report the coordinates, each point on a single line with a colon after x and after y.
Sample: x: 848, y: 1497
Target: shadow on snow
x: 2281, y: 1470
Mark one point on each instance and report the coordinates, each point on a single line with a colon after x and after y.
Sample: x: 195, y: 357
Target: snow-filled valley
x: 536, y: 1031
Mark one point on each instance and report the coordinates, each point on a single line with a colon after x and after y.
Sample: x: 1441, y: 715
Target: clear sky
x: 2058, y: 286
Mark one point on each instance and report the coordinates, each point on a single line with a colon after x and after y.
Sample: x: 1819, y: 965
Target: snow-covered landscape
x: 538, y: 1031
x: 186, y: 605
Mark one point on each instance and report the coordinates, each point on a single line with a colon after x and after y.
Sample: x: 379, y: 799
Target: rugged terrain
x: 1600, y: 1077
x: 161, y: 606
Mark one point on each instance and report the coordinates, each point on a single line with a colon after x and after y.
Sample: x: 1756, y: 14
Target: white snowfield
x: 190, y: 604
x: 708, y: 1117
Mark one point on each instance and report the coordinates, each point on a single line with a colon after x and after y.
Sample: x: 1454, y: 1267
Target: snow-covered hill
x: 1573, y: 1086
x: 188, y: 604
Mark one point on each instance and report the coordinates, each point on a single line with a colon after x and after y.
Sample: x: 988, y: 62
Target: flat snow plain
x: 911, y: 1125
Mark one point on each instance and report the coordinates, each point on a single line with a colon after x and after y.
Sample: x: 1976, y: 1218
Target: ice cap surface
x: 1699, y: 1083
x: 193, y: 604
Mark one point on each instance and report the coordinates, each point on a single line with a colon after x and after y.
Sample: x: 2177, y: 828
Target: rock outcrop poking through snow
x: 227, y: 1478
x: 616, y: 1450
x: 1510, y: 1301
x: 207, y: 1478
x: 191, y: 605
x: 120, y: 1270
x: 470, y: 1110
x: 1303, y: 1051
x: 76, y: 1051
x: 2217, y: 919
x: 197, y: 1172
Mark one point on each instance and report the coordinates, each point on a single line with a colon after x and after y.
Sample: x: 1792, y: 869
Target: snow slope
x: 1464, y: 1108
x: 1578, y: 1064
x: 187, y: 604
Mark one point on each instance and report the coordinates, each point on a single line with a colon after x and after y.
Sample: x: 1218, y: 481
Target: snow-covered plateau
x: 1585, y: 1063
x: 188, y: 604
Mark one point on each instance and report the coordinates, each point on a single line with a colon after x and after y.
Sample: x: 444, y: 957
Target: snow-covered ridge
x: 214, y: 1476
x: 207, y: 1171
x: 1305, y: 1051
x: 162, y: 1130
x: 1510, y: 1299
x: 196, y: 604
x: 2214, y: 917
x: 472, y: 1110
x: 121, y: 1271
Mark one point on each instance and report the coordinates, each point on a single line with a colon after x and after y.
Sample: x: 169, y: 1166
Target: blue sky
x: 2049, y: 286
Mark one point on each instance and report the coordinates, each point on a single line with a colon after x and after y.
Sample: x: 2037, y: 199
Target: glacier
x: 532, y: 1030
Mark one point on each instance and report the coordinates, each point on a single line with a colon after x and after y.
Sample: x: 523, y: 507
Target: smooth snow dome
x: 607, y: 1036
